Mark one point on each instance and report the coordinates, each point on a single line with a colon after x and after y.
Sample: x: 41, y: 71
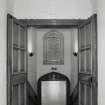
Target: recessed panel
x: 15, y: 33
x: 22, y: 61
x: 15, y: 95
x: 22, y: 94
x: 15, y: 60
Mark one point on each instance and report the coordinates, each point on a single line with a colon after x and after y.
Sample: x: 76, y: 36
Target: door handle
x: 90, y: 80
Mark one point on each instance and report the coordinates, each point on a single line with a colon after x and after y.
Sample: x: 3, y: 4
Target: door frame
x: 53, y: 23
x: 49, y: 23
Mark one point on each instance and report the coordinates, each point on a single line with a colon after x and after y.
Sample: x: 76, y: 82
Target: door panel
x: 22, y: 61
x: 89, y: 95
x: 17, y: 61
x: 22, y: 93
x: 85, y: 94
x: 83, y: 62
x: 15, y: 95
x: 81, y: 94
x: 15, y: 36
x: 88, y: 62
x: 22, y: 37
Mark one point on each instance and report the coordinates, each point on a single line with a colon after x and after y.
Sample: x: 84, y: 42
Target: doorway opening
x: 69, y: 47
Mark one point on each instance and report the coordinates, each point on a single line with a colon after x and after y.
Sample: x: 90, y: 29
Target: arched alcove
x: 54, y: 89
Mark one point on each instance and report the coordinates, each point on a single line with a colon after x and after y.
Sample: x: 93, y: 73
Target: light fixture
x: 30, y: 49
x: 75, y: 53
x: 31, y: 54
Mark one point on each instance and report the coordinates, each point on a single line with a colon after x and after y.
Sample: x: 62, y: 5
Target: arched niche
x: 53, y: 89
x: 53, y: 48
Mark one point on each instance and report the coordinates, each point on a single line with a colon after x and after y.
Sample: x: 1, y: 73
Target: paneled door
x: 88, y: 61
x: 16, y: 61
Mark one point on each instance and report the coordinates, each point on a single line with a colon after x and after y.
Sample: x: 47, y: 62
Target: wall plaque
x: 53, y: 49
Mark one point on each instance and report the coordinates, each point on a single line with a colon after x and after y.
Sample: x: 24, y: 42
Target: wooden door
x: 88, y: 62
x: 16, y: 61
